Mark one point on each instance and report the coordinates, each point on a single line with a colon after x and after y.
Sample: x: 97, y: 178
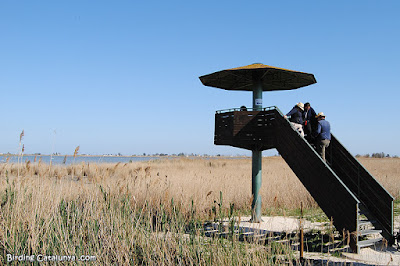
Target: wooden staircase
x: 342, y: 187
x: 366, y: 228
x: 376, y: 203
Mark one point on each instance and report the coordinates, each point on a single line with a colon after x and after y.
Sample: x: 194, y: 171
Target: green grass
x: 396, y: 206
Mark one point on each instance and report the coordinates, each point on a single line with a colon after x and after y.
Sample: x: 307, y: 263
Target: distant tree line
x: 377, y: 155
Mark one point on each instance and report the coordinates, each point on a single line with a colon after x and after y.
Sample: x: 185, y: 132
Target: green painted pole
x: 256, y: 162
x: 255, y: 186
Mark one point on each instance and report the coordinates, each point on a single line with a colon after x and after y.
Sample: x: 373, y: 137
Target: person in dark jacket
x: 310, y: 122
x: 296, y: 117
x: 323, y: 134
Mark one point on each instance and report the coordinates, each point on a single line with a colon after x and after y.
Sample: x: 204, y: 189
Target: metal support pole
x: 256, y: 162
x: 255, y: 186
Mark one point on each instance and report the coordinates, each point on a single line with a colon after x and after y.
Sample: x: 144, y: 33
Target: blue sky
x: 122, y: 76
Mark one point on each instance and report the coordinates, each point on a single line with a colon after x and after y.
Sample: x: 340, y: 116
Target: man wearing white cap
x: 296, y: 118
x: 323, y: 134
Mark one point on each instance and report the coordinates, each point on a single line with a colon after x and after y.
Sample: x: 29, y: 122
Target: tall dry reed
x: 120, y: 213
x: 147, y: 212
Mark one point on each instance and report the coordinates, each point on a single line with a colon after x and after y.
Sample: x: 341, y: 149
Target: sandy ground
x: 377, y: 255
x: 278, y: 224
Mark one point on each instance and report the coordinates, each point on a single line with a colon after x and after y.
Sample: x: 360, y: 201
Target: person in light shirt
x: 296, y: 118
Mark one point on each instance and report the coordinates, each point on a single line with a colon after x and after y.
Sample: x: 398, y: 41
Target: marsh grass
x: 149, y: 212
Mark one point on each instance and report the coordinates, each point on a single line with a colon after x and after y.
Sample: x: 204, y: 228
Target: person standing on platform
x: 310, y: 122
x: 296, y: 118
x: 322, y: 134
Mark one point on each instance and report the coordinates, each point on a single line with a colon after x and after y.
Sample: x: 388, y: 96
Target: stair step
x: 369, y: 232
x: 368, y: 242
x: 366, y: 222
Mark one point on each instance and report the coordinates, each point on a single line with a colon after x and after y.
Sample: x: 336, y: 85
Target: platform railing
x: 245, y: 128
x: 246, y: 110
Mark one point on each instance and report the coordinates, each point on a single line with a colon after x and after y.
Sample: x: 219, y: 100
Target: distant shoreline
x: 129, y: 156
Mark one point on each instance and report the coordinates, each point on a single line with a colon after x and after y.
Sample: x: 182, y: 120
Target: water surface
x: 78, y: 159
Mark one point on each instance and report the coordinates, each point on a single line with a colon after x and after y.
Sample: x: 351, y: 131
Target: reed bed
x: 148, y: 212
